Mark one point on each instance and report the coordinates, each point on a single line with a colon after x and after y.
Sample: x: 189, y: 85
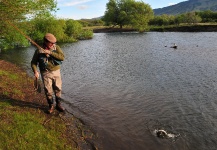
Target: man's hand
x: 47, y: 52
x: 37, y: 74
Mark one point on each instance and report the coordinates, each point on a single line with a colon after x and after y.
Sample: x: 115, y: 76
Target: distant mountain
x: 97, y: 18
x: 188, y: 6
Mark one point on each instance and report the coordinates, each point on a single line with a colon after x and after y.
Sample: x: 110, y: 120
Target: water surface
x: 126, y: 85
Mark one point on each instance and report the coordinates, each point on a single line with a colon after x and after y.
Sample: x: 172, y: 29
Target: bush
x: 86, y: 34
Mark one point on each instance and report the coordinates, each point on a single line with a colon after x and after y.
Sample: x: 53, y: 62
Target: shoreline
x: 112, y: 30
x: 27, y: 100
x: 186, y: 28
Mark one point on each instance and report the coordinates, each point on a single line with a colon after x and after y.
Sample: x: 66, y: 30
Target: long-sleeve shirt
x: 56, y: 53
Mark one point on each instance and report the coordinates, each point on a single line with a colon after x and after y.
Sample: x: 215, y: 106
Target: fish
x: 37, y: 85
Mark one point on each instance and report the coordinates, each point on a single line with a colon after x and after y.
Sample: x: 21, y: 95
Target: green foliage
x: 24, y: 9
x: 34, y: 20
x: 11, y: 38
x: 64, y: 30
x: 192, y: 18
x: 47, y: 25
x: 140, y: 16
x: 208, y: 16
x: 97, y: 22
x: 86, y: 34
x: 128, y: 12
x: 189, y: 18
x: 91, y: 22
x: 84, y: 23
x: 73, y: 28
x: 11, y: 77
x: 163, y: 20
x: 111, y: 13
x: 17, y: 12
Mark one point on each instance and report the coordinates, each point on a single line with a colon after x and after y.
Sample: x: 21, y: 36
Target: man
x: 49, y: 59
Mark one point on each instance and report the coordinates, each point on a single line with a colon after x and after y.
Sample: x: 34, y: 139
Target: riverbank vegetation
x: 24, y: 123
x: 202, y: 21
x: 35, y: 19
x: 130, y: 13
x: 139, y: 16
x: 189, y: 18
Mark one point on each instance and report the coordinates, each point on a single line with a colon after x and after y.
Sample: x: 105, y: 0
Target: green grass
x: 24, y: 125
x: 9, y: 75
x: 22, y: 129
x: 8, y: 79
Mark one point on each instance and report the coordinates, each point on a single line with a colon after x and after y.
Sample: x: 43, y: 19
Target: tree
x: 112, y: 13
x: 73, y: 28
x: 192, y: 18
x: 208, y: 16
x: 163, y: 20
x: 47, y: 25
x: 24, y: 9
x: 128, y: 12
x: 18, y: 12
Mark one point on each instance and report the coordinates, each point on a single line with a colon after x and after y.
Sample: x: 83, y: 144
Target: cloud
x: 67, y: 3
x: 82, y: 7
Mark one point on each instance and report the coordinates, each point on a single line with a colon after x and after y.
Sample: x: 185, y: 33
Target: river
x: 127, y: 85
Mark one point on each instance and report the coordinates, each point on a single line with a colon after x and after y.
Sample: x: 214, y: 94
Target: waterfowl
x: 174, y: 46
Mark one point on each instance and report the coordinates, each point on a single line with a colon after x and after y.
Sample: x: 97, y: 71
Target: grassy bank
x: 26, y: 125
x: 186, y: 28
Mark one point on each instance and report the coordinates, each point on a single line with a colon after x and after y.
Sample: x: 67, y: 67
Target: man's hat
x: 50, y: 37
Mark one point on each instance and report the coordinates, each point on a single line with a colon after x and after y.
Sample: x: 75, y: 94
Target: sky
x: 88, y: 9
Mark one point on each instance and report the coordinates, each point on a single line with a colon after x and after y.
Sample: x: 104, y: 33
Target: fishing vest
x: 43, y: 60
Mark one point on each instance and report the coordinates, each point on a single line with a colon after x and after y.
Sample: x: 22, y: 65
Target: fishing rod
x: 27, y: 37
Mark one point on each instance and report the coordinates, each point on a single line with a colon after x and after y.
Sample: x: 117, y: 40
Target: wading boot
x: 58, y: 105
x: 51, y: 106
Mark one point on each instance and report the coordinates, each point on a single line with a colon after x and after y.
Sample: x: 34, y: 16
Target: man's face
x: 49, y: 44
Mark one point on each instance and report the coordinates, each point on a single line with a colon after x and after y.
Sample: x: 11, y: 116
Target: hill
x: 188, y: 6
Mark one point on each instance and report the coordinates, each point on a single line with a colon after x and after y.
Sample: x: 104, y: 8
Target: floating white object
x: 164, y: 134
